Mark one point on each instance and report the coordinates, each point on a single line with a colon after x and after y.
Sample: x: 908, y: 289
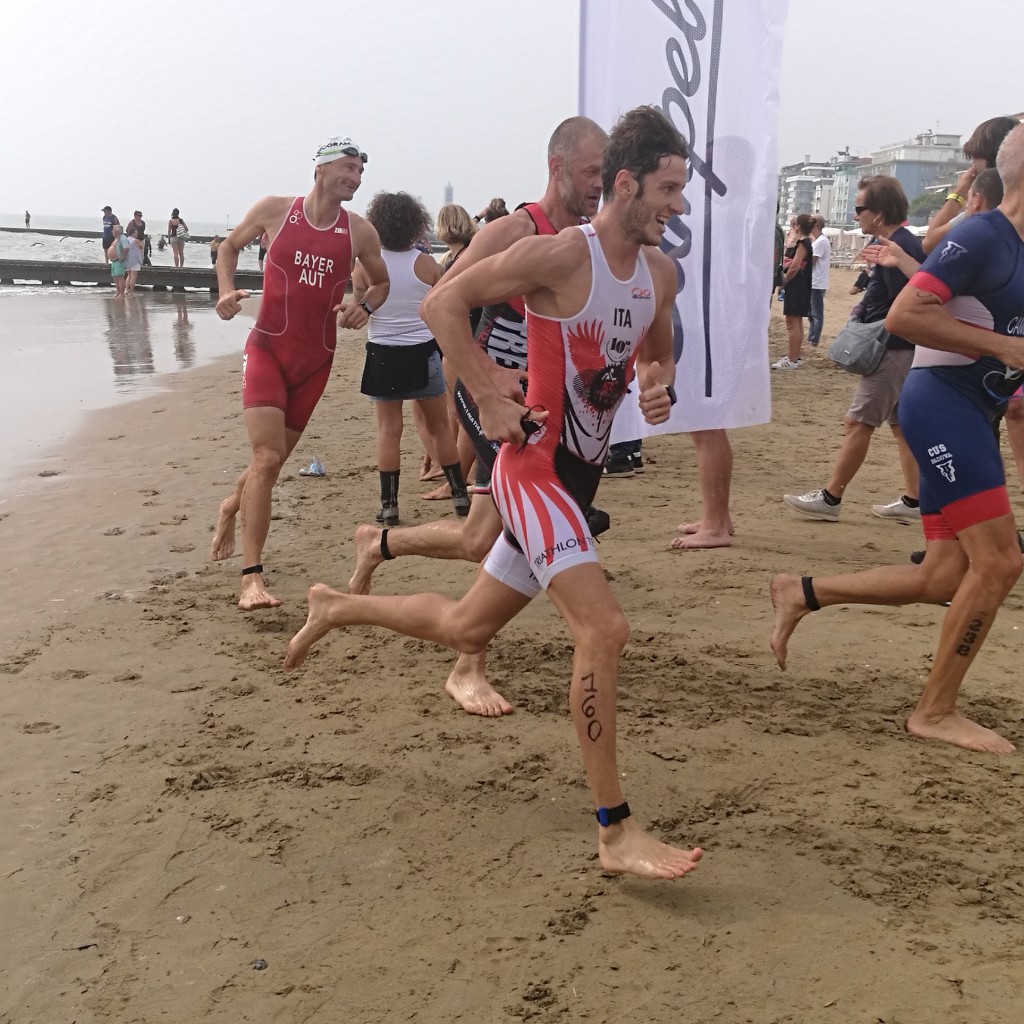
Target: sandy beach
x: 190, y: 834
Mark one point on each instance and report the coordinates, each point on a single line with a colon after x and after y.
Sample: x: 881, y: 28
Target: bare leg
x: 714, y: 468
x: 932, y: 582
x: 908, y: 464
x: 269, y: 440
x: 852, y: 452
x: 582, y: 595
x: 994, y: 566
x: 469, y: 539
x: 794, y: 336
x: 464, y: 625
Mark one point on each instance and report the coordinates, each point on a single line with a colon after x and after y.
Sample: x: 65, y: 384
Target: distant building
x: 923, y: 163
x: 927, y: 161
x: 449, y: 194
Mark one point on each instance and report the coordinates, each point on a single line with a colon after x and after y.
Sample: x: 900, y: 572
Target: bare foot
x: 469, y: 688
x: 438, y: 493
x: 959, y: 731
x: 255, y: 594
x: 368, y: 557
x: 701, y: 538
x: 223, y: 545
x: 318, y: 624
x: 696, y: 527
x: 626, y: 849
x: 428, y: 471
x: 790, y: 607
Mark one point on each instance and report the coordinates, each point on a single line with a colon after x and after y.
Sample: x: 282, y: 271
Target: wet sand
x: 177, y: 807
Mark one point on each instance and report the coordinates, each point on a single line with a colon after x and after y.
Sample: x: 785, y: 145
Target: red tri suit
x: 289, y: 352
x: 580, y: 368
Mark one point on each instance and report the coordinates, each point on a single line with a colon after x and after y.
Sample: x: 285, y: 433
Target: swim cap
x: 336, y: 148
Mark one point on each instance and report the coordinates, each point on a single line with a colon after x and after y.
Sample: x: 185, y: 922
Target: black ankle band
x: 250, y: 569
x: 612, y: 815
x: 385, y: 551
x: 810, y: 599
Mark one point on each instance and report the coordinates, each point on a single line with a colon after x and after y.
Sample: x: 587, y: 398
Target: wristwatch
x: 366, y: 306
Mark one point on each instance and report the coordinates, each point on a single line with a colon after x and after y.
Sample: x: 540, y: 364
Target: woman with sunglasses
x: 881, y: 209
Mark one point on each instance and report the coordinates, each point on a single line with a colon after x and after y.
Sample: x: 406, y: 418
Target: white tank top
x: 398, y: 322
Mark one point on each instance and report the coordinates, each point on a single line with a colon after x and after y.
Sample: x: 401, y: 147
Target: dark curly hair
x: 399, y: 218
x: 638, y: 142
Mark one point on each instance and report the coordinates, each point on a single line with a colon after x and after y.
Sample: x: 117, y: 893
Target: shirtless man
x: 600, y: 298
x: 573, y: 193
x: 313, y: 243
x: 966, y: 304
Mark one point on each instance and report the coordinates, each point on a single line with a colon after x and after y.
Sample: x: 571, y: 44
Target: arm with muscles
x: 951, y: 209
x: 498, y: 237
x: 655, y: 370
x: 374, y: 279
x: 524, y: 269
x: 919, y: 314
x: 267, y: 215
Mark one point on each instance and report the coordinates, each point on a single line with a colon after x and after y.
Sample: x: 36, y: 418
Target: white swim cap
x: 337, y: 147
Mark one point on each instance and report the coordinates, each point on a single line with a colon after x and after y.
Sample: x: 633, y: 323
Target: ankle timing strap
x: 810, y: 598
x: 250, y: 569
x: 385, y: 551
x: 612, y: 815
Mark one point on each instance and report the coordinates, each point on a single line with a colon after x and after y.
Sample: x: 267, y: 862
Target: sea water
x: 66, y: 351
x: 69, y: 349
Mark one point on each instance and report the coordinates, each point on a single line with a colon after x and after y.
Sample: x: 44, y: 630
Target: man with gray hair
x: 821, y: 248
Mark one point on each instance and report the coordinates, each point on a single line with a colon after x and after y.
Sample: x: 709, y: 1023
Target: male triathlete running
x: 966, y: 304
x: 288, y: 356
x: 600, y: 299
x: 572, y: 195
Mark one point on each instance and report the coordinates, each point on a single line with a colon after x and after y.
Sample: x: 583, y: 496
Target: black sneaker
x: 388, y: 515
x: 638, y: 462
x: 620, y: 466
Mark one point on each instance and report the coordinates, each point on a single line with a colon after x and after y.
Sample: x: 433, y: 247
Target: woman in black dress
x: 797, y: 282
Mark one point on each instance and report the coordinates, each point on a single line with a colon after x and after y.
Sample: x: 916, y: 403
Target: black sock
x: 389, y: 487
x: 910, y: 502
x: 830, y: 499
x: 453, y: 474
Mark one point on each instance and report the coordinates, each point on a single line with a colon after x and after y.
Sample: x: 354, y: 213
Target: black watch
x: 369, y: 309
x: 672, y: 396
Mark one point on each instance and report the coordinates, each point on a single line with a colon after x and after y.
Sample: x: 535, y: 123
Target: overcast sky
x: 209, y: 104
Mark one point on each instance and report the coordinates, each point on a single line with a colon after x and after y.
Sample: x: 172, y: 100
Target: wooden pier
x: 77, y: 233
x: 161, y: 278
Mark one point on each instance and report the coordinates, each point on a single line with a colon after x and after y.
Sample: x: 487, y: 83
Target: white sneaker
x: 898, y: 510
x: 785, y: 363
x: 813, y: 505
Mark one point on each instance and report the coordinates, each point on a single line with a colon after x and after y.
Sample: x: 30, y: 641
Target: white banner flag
x: 714, y: 72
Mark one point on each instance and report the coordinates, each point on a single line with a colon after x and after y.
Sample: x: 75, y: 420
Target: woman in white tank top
x: 402, y: 359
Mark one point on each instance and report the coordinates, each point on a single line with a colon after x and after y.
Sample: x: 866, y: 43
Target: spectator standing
x: 881, y: 209
x: 177, y: 233
x: 796, y: 302
x: 28, y: 219
x: 821, y: 250
x: 133, y: 256
x: 109, y: 222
